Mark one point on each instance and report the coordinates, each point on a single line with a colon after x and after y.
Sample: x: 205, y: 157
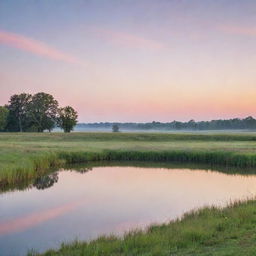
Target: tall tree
x: 67, y: 118
x: 18, y: 105
x: 43, y: 110
x: 3, y: 117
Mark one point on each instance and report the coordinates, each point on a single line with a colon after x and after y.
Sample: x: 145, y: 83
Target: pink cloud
x: 126, y: 39
x: 34, y: 46
x: 239, y: 30
x: 36, y: 218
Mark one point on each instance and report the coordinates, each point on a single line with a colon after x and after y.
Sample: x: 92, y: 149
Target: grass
x: 26, y: 155
x: 208, y: 231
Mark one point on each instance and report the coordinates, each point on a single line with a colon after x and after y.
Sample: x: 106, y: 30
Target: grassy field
x: 208, y: 231
x: 25, y: 155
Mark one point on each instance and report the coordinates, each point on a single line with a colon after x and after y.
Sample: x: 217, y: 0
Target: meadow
x: 207, y: 231
x: 26, y: 155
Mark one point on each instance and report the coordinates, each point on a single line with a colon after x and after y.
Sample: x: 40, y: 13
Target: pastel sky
x: 132, y: 60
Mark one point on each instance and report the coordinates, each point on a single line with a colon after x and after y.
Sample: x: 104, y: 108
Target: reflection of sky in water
x: 109, y: 199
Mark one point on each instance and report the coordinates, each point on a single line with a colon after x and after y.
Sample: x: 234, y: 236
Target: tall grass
x: 38, y: 164
x: 212, y: 157
x: 44, y: 161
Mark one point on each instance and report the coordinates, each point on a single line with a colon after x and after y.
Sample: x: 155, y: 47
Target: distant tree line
x: 35, y: 113
x: 248, y: 123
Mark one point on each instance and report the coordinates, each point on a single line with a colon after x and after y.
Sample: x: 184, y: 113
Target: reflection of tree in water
x: 46, y: 181
x: 83, y: 170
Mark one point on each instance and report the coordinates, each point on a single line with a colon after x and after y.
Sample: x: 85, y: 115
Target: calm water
x: 68, y: 204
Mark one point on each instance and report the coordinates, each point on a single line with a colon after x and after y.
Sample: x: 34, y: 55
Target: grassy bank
x: 84, y: 167
x: 26, y: 155
x: 209, y: 231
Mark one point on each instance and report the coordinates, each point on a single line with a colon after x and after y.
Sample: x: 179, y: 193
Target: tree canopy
x: 18, y: 111
x: 38, y: 112
x: 67, y: 118
x: 42, y: 110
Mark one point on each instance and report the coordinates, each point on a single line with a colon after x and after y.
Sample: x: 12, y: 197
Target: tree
x: 42, y: 110
x: 115, y: 128
x: 67, y: 118
x: 18, y: 105
x: 191, y: 124
x: 250, y: 122
x: 3, y: 117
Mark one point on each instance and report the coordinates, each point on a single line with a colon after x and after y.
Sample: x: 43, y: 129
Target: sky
x: 132, y: 60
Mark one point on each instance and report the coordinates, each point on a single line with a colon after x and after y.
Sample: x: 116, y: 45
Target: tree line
x: 36, y: 113
x: 248, y: 123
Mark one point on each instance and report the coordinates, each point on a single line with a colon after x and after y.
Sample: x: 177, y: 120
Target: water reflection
x: 34, y: 219
x: 84, y: 204
x: 43, y: 181
x: 46, y: 181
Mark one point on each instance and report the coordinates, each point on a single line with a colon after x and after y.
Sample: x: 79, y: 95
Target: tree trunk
x: 20, y: 126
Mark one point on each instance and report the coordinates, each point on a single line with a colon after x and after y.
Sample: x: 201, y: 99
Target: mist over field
x: 247, y: 124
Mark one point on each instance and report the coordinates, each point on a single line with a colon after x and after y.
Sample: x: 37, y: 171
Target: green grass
x: 208, y: 231
x: 25, y: 155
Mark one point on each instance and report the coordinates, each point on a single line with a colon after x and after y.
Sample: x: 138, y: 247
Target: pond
x: 68, y: 205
